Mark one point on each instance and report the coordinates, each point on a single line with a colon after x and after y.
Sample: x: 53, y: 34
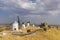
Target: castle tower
x: 44, y: 24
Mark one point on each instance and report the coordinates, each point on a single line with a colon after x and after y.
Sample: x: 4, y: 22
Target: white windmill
x: 28, y: 23
x: 15, y: 26
x: 23, y: 25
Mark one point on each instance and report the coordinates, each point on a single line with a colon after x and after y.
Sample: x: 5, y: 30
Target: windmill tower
x: 15, y: 26
x: 28, y: 23
x: 23, y: 25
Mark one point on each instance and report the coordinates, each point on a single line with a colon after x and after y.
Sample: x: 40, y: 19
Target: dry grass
x: 50, y: 34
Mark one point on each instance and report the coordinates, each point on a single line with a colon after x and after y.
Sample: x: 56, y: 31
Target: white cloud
x: 28, y: 6
x: 54, y: 12
x: 39, y: 6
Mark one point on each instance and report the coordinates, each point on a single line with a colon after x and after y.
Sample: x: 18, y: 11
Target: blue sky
x: 36, y: 11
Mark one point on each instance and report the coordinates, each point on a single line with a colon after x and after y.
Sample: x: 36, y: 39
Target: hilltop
x: 38, y: 34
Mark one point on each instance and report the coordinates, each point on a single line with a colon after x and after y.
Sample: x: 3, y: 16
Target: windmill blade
x: 18, y: 20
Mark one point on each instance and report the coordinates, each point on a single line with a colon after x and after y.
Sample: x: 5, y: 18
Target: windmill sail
x: 18, y: 20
